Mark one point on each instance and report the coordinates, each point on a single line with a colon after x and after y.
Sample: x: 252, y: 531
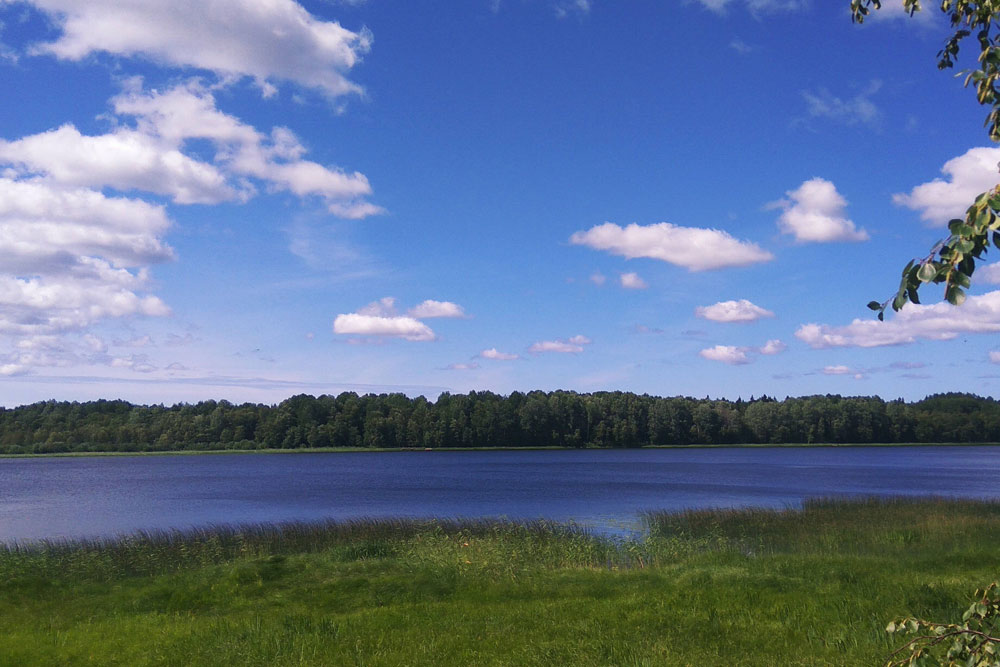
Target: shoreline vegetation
x: 397, y: 450
x: 484, y: 420
x: 815, y: 585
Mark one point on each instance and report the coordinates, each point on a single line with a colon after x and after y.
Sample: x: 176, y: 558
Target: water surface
x: 606, y: 489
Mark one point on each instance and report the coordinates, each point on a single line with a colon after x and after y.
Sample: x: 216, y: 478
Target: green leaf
x: 955, y: 297
x: 912, y: 294
x: 964, y: 246
x: 927, y: 272
x: 874, y: 305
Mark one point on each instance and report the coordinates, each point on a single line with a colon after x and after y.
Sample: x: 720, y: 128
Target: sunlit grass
x: 757, y: 587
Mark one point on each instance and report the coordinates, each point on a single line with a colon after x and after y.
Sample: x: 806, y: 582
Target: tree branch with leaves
x: 952, y: 260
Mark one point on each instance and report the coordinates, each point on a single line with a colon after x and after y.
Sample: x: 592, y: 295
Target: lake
x: 50, y: 498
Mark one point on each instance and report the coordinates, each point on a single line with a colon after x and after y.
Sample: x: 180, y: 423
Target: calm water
x: 605, y: 489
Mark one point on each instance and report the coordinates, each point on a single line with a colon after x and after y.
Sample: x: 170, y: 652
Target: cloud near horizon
x: 693, y: 248
x: 941, y: 321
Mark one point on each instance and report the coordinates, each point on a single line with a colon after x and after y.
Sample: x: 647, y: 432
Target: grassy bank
x: 754, y: 587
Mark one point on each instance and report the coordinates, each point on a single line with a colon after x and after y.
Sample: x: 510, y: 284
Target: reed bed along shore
x: 807, y: 586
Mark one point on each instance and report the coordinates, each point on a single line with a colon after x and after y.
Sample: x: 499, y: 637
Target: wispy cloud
x: 859, y: 109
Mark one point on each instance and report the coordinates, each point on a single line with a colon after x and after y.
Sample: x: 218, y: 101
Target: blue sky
x: 248, y: 199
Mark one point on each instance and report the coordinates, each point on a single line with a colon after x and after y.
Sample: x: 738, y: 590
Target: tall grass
x: 158, y: 552
x: 809, y: 586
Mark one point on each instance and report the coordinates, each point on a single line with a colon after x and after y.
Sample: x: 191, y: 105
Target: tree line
x: 486, y: 419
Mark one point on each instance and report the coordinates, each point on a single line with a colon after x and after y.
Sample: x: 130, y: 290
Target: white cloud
x: 572, y: 345
x: 384, y: 307
x: 851, y: 111
x: 814, y: 213
x: 431, y: 308
x: 495, y: 354
x: 632, y: 281
x: 995, y: 356
x: 598, y: 278
x: 70, y: 257
x: 150, y: 157
x: 693, y: 248
x: 773, y: 347
x: 941, y: 321
x: 732, y: 311
x: 989, y: 274
x: 741, y: 47
x: 837, y: 370
x: 727, y: 354
x: 403, y: 327
x: 124, y: 160
x: 966, y: 176
x: 267, y: 40
x: 188, y: 112
x: 740, y: 355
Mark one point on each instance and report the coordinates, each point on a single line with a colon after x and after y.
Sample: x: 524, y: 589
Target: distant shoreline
x: 342, y: 450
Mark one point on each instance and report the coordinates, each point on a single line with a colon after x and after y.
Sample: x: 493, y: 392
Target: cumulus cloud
x: 495, y: 354
x: 965, y: 176
x: 814, y: 213
x: 123, y: 160
x: 598, y: 278
x: 150, y: 156
x: 632, y: 281
x: 732, y: 311
x: 70, y: 257
x: 693, y: 248
x: 851, y: 111
x: 431, y: 308
x: 989, y: 274
x: 384, y: 307
x: 403, y: 327
x: 773, y: 347
x: 941, y: 321
x: 727, y: 354
x: 267, y: 40
x: 740, y: 355
x: 572, y: 345
x: 379, y: 319
x: 995, y: 356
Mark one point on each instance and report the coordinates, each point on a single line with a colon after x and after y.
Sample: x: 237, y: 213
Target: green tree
x: 952, y: 260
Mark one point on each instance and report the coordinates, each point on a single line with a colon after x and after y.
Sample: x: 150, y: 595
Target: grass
x: 814, y: 586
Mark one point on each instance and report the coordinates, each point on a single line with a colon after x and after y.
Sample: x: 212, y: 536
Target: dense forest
x: 485, y: 419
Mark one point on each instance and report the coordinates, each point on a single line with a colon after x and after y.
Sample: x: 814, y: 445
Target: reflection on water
x: 601, y: 489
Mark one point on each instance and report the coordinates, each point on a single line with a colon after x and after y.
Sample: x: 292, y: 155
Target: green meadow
x: 815, y: 586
